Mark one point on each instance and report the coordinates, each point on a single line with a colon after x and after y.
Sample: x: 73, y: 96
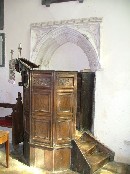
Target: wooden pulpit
x: 49, y: 111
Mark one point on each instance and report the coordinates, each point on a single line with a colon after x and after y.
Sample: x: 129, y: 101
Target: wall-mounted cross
x: 19, y: 50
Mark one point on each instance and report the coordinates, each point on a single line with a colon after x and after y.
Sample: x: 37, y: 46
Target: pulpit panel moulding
x: 47, y: 37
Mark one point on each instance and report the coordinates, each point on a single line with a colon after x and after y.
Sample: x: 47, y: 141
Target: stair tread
x: 93, y: 154
x: 96, y: 157
x: 86, y: 147
x: 97, y: 160
x: 103, y: 171
x: 62, y: 172
x: 114, y: 168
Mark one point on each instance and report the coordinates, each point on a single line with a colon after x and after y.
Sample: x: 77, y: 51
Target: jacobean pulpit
x: 49, y: 110
x: 50, y: 101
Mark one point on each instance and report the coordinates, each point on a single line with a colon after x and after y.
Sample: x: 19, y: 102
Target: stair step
x: 117, y: 167
x: 61, y: 172
x: 78, y: 134
x: 90, y: 155
x: 114, y: 168
x: 87, y: 148
x: 103, y: 171
x: 97, y: 160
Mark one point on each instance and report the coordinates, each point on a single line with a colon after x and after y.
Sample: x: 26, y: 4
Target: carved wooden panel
x: 41, y: 131
x: 65, y: 80
x: 44, y: 82
x: 42, y: 79
x: 41, y: 103
x: 41, y: 107
x: 61, y: 159
x: 63, y: 131
x: 64, y: 103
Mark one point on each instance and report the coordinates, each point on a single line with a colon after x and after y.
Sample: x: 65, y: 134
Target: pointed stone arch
x: 49, y: 39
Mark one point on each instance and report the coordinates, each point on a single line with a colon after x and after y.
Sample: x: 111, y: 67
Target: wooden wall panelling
x: 42, y: 107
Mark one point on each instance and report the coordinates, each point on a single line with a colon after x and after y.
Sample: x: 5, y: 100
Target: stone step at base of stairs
x: 114, y: 168
x: 61, y: 172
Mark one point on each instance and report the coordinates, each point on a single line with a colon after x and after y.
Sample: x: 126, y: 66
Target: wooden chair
x: 4, y: 138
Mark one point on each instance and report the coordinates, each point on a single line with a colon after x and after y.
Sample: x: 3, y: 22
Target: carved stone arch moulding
x: 46, y: 38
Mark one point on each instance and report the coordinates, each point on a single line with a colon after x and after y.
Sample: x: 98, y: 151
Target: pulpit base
x: 50, y: 159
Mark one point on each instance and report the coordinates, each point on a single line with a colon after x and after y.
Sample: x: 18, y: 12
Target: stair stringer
x: 101, y: 147
x: 78, y: 160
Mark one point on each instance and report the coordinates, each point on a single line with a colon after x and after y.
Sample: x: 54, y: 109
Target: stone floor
x: 114, y: 168
x: 18, y: 167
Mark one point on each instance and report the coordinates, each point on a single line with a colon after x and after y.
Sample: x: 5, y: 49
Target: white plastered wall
x: 112, y: 104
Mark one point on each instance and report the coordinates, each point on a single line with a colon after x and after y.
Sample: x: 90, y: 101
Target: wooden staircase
x: 88, y: 154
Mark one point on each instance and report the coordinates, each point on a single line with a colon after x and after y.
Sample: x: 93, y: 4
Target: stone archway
x: 46, y: 38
